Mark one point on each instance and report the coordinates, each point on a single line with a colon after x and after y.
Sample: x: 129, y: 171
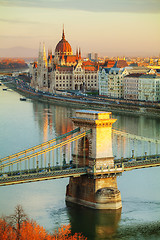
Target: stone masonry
x: 97, y: 189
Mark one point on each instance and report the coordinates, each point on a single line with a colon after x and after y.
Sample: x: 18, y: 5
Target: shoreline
x: 87, y: 104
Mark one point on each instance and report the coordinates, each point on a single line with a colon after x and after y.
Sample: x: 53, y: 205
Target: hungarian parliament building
x: 63, y: 70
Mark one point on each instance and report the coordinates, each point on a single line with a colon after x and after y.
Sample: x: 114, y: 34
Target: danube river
x: 26, y: 124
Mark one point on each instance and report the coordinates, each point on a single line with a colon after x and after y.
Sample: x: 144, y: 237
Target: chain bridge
x: 84, y: 151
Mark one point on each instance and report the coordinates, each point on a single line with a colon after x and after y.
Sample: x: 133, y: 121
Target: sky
x: 108, y: 27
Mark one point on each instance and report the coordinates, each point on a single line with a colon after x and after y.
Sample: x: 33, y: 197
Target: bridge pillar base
x: 107, y: 206
x: 94, y: 193
x: 98, y: 188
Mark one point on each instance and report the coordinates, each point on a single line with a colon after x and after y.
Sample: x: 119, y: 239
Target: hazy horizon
x: 109, y: 28
x: 22, y: 52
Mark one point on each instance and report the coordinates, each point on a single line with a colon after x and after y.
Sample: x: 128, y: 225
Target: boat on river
x: 23, y: 99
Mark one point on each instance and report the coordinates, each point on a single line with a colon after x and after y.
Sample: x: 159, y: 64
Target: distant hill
x: 18, y: 52
x: 12, y: 63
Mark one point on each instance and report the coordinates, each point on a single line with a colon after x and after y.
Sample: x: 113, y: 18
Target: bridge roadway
x: 121, y: 165
x: 42, y: 175
x: 152, y: 161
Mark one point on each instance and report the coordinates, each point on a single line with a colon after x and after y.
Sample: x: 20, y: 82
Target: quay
x: 83, y: 102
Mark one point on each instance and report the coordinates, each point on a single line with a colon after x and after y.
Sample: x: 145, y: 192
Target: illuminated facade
x: 149, y: 87
x: 63, y: 70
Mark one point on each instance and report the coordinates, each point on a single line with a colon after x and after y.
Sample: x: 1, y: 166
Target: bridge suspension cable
x: 61, y: 144
x: 136, y: 137
x: 48, y: 143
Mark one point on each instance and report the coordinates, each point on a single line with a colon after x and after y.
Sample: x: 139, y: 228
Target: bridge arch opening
x: 84, y: 148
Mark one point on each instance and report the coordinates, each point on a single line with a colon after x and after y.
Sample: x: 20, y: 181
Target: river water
x: 26, y: 124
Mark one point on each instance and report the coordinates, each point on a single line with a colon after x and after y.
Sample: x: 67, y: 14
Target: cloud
x: 20, y: 36
x: 139, y: 6
x: 17, y: 21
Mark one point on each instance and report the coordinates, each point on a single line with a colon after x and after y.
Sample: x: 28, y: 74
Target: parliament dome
x: 63, y: 47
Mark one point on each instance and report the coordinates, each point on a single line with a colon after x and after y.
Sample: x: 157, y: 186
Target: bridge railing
x: 39, y: 146
x: 143, y: 163
x: 51, y: 157
x: 126, y: 145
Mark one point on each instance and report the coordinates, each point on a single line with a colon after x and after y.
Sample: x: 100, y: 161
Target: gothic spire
x: 44, y: 55
x: 63, y: 36
x: 79, y: 53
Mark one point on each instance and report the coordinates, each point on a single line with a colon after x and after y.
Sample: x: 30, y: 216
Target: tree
x: 19, y: 227
x: 6, y: 231
x: 31, y: 230
x: 17, y: 219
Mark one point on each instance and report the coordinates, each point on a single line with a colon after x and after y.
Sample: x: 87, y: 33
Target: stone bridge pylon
x: 97, y: 189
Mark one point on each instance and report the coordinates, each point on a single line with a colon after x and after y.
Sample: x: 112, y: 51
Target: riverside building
x: 149, y: 87
x: 130, y: 83
x: 63, y: 70
x: 111, y: 80
x: 144, y: 87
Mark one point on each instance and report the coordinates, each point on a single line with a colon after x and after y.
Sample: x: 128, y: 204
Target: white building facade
x: 63, y: 71
x: 149, y: 87
x: 103, y: 82
x: 111, y: 82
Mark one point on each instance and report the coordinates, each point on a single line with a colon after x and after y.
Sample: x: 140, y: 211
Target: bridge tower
x: 97, y: 189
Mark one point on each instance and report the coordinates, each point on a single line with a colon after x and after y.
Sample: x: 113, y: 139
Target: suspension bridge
x: 54, y: 159
x: 92, y: 156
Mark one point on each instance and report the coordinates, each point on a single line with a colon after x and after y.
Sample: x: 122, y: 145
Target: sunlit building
x: 149, y: 87
x: 63, y: 70
x: 111, y: 80
x: 144, y: 87
x: 131, y: 86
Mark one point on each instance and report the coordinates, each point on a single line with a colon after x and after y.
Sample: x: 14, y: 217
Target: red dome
x: 63, y: 47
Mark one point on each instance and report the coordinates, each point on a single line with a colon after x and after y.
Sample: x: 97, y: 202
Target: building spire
x: 79, y: 53
x: 63, y: 36
x: 44, y: 55
x: 40, y: 49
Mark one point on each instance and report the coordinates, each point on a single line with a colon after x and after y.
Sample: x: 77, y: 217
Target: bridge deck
x: 41, y: 176
x: 47, y: 174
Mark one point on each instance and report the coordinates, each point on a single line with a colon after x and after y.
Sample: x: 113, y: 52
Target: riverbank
x: 117, y: 107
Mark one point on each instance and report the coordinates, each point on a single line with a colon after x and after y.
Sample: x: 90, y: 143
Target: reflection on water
x: 52, y: 120
x: 55, y: 120
x: 138, y: 125
x: 94, y: 224
x: 26, y: 124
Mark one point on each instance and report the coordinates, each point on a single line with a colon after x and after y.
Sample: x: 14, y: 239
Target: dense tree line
x: 19, y: 227
x: 9, y: 63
